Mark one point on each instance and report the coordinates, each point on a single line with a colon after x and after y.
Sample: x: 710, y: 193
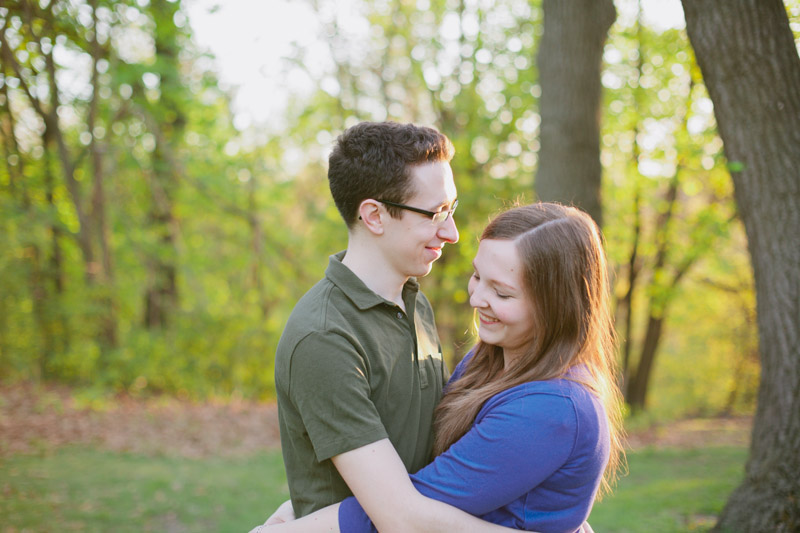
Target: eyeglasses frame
x: 431, y: 214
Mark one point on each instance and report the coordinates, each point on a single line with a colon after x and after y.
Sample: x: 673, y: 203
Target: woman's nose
x: 476, y: 298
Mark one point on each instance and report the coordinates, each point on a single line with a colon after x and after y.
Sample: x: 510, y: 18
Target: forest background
x: 151, y: 244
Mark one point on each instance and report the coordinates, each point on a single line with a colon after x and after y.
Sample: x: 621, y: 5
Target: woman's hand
x: 284, y: 514
x: 326, y: 520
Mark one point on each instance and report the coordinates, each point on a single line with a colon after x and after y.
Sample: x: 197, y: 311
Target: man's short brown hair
x: 372, y: 160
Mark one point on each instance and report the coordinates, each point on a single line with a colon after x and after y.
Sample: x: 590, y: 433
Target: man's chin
x: 424, y: 271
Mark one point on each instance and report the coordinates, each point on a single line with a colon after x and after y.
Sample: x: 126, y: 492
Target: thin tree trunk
x: 52, y: 124
x: 638, y: 384
x: 7, y: 123
x: 161, y: 294
x: 49, y: 115
x: 747, y: 54
x: 108, y: 321
x: 569, y: 60
x: 626, y: 304
x: 17, y: 186
x: 636, y: 392
x: 257, y: 248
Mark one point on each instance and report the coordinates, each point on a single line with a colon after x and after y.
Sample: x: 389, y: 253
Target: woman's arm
x: 392, y: 502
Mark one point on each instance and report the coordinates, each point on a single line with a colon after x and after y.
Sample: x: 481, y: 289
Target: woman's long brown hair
x: 566, y: 280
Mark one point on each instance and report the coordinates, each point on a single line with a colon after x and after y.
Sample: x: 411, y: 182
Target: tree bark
x: 161, y: 294
x: 108, y: 322
x: 750, y: 64
x: 569, y: 60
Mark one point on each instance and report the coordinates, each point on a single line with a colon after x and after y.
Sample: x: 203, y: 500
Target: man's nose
x: 448, y: 231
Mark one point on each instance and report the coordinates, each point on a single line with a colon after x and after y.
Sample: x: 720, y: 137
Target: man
x: 360, y: 359
x: 359, y: 368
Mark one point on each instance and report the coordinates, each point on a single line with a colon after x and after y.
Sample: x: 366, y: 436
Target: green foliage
x: 671, y: 225
x: 182, y: 188
x: 246, y: 220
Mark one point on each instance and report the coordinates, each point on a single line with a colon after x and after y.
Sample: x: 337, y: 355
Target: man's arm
x: 379, y: 480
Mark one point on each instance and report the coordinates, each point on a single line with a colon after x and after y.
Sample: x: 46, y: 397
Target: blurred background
x: 164, y: 202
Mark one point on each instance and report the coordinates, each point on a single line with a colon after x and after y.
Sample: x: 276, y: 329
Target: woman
x: 529, y: 428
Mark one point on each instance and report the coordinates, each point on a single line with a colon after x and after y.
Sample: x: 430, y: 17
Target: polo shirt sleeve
x: 329, y: 386
x: 520, y: 440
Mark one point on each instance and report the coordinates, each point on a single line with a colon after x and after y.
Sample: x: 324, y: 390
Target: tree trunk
x: 569, y: 60
x: 161, y: 294
x: 625, y: 305
x: 37, y: 274
x: 108, y: 321
x: 750, y: 64
x: 636, y: 387
x: 257, y: 247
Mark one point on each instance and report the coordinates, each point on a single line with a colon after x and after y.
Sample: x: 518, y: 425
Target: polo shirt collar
x: 352, y: 286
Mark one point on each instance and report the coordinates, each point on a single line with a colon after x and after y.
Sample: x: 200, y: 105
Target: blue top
x: 533, y: 460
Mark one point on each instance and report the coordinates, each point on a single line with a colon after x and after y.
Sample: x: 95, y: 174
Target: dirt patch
x: 39, y: 419
x: 695, y: 433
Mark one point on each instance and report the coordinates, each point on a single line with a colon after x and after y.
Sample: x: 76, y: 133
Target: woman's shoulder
x: 563, y: 386
x: 559, y: 397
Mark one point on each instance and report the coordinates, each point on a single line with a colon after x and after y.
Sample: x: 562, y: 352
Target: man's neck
x: 371, y: 267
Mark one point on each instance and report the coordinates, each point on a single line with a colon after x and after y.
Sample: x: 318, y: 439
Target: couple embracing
x: 376, y: 434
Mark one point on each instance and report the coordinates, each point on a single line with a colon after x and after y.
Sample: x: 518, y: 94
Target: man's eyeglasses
x: 437, y: 217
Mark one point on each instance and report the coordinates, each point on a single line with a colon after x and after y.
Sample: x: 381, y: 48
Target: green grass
x: 79, y: 489
x: 671, y: 490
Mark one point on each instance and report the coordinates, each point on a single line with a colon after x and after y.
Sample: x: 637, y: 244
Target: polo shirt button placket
x: 399, y: 314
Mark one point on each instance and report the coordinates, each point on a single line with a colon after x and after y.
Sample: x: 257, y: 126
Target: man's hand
x: 284, y: 513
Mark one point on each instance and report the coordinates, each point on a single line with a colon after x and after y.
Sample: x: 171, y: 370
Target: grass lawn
x: 671, y: 490
x: 82, y: 489
x: 79, y: 489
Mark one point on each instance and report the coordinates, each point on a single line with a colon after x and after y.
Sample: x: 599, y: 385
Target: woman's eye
x: 503, y: 296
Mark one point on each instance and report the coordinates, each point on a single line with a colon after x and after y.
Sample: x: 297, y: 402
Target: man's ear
x: 369, y: 213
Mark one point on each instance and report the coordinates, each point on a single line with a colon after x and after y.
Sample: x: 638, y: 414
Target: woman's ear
x: 369, y: 213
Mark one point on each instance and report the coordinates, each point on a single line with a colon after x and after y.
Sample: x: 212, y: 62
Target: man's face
x: 414, y: 241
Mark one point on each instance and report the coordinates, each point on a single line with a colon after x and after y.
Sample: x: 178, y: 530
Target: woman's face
x: 497, y: 293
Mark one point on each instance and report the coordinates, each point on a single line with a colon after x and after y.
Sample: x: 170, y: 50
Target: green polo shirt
x: 352, y: 368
